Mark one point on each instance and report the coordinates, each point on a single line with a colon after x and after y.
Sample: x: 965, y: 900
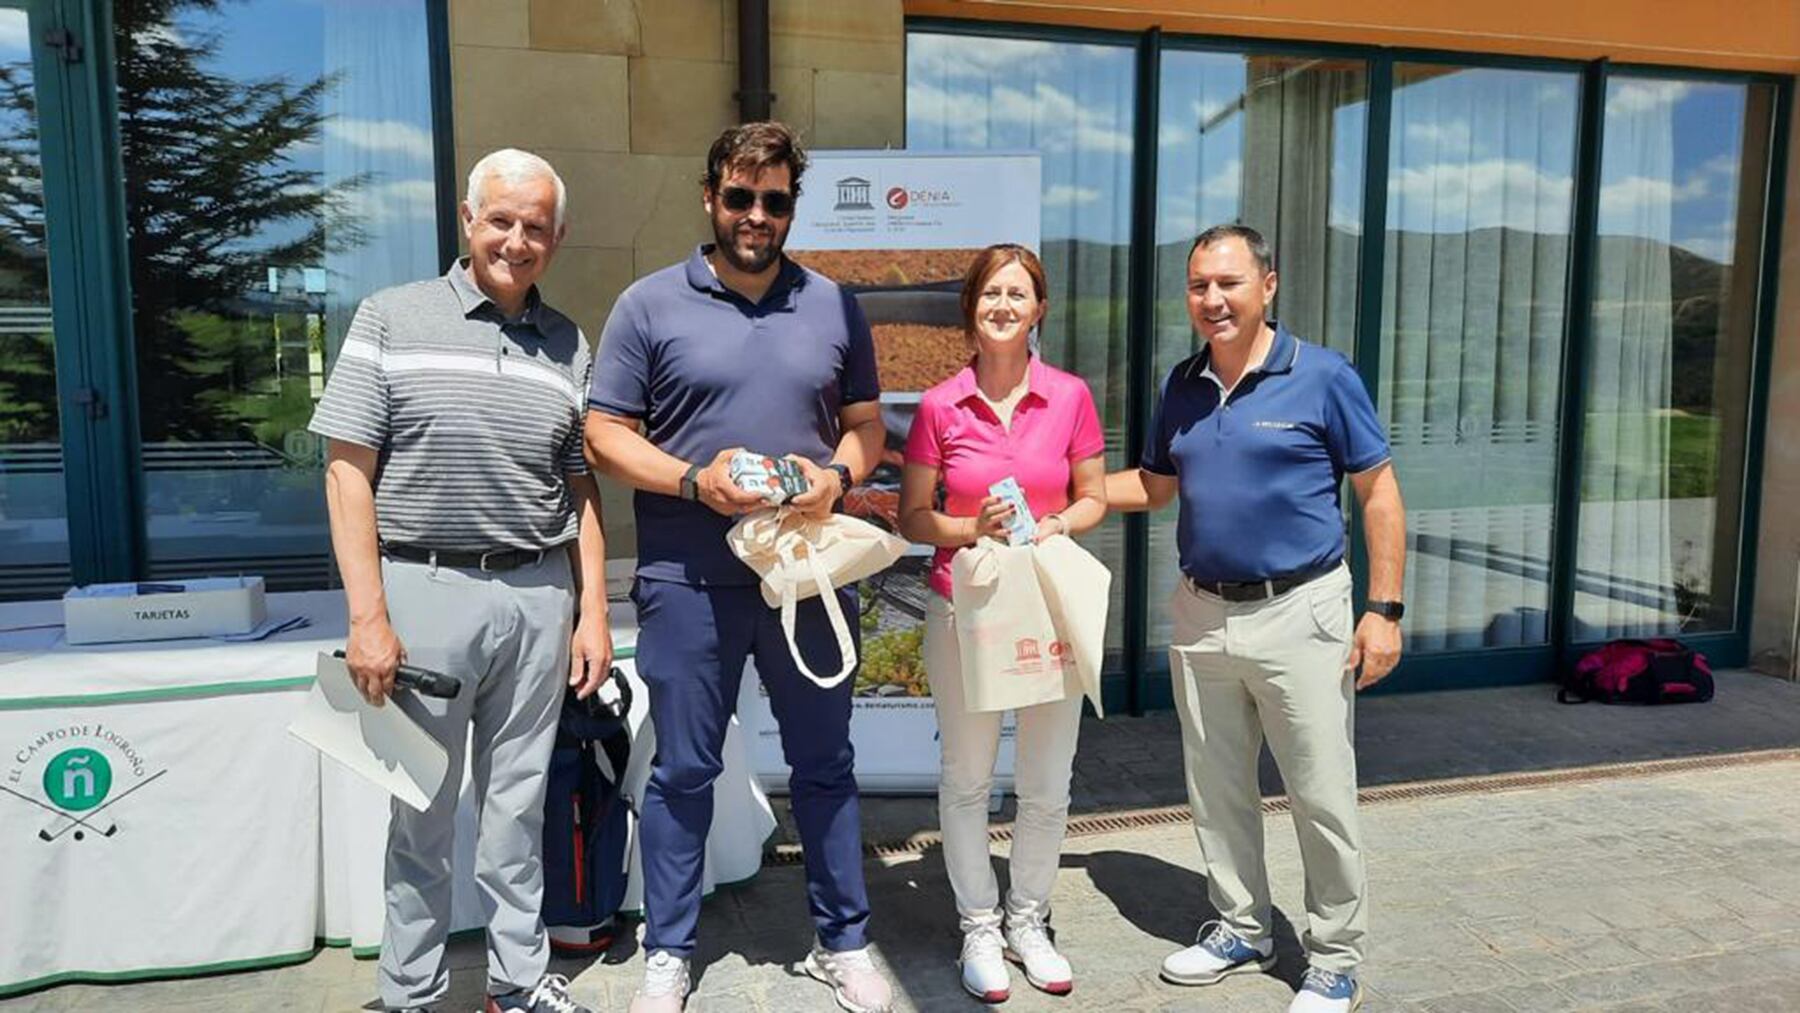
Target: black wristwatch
x: 1386, y: 609
x: 844, y: 479
x: 690, y: 483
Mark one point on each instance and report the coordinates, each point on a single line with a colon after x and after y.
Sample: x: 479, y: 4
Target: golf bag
x: 587, y: 822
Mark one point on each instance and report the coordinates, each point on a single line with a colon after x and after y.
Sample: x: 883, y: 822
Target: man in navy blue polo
x: 738, y: 347
x: 1253, y: 436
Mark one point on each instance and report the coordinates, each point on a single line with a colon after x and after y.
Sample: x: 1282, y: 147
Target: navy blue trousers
x: 692, y: 642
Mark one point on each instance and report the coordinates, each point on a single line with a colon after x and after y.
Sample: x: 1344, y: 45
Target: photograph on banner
x: 898, y: 230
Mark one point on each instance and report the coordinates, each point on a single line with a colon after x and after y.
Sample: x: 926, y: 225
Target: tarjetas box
x: 202, y: 607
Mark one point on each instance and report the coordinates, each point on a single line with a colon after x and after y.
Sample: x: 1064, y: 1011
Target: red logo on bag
x: 1058, y: 649
x: 1026, y: 649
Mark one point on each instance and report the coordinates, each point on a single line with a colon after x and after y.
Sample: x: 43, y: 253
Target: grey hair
x: 510, y: 165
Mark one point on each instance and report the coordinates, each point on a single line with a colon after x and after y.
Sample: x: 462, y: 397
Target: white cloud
x: 161, y: 33
x: 1053, y: 121
x: 1453, y: 134
x: 15, y: 33
x: 400, y: 200
x: 1631, y: 98
x: 1217, y: 199
x: 396, y: 137
x: 1484, y: 193
x: 1641, y: 205
x: 1063, y: 193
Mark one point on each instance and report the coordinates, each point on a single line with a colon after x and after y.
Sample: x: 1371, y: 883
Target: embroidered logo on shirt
x: 1269, y: 424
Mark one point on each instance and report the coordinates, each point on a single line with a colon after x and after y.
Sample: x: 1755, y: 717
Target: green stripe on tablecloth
x: 26, y: 703
x: 144, y: 974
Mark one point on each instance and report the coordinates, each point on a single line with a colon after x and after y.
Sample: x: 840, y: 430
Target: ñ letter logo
x: 77, y: 779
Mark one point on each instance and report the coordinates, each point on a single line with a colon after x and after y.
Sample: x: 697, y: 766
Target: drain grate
x: 1162, y: 816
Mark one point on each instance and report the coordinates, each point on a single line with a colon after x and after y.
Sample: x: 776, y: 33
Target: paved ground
x: 1676, y: 891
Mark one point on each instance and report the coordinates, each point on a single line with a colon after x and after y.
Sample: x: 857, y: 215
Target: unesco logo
x: 896, y: 198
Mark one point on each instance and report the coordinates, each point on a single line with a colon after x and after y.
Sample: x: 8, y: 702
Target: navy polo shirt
x: 706, y: 369
x: 1260, y: 473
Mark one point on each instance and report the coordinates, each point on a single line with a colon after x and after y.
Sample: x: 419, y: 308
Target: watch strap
x: 690, y: 483
x: 1386, y: 609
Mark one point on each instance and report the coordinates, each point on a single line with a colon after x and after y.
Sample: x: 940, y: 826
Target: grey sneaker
x: 666, y: 984
x: 855, y: 983
x: 551, y: 995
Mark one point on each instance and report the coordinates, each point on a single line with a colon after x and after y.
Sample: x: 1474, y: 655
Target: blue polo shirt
x: 706, y: 369
x: 1260, y: 473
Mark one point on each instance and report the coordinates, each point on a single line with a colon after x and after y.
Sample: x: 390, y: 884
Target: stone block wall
x: 625, y: 96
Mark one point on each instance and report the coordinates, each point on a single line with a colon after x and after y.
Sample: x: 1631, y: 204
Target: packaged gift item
x: 1022, y: 527
x: 776, y: 479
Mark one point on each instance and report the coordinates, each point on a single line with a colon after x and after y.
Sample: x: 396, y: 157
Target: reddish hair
x: 985, y: 265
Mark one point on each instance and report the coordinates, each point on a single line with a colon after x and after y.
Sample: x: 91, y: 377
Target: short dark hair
x: 1258, y: 246
x: 753, y: 147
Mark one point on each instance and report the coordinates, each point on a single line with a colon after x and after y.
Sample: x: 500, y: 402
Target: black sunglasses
x: 775, y: 203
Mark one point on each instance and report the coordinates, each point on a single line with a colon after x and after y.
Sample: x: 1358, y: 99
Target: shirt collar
x: 472, y: 298
x: 1280, y: 357
x: 788, y: 279
x: 963, y: 385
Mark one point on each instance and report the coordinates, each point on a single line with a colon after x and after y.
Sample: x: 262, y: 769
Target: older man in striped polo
x: 467, y: 529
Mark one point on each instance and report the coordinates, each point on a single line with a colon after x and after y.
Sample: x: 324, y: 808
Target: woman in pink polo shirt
x: 1005, y: 414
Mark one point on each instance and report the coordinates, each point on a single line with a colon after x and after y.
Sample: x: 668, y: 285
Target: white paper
x: 381, y: 744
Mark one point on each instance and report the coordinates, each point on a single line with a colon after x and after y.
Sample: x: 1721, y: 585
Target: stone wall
x: 625, y: 96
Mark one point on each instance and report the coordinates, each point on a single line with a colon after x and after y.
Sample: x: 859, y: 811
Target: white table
x: 221, y: 842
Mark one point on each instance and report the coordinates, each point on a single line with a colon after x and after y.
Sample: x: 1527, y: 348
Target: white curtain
x: 1625, y: 571
x: 1479, y: 210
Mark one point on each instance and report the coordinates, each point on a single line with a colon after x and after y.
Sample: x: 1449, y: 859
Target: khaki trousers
x: 1275, y: 668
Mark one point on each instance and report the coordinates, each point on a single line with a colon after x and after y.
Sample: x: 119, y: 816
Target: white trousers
x: 1275, y: 668
x: 968, y: 741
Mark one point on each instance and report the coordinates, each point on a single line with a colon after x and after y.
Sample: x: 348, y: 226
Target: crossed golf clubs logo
x: 78, y: 780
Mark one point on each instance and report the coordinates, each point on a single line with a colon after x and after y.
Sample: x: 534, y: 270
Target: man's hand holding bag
x: 798, y: 557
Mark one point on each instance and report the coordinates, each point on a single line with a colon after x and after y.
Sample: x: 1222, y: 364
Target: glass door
x: 1473, y: 327
x: 34, y: 512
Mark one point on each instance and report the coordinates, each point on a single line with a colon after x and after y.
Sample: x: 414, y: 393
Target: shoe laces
x: 1219, y: 940
x: 982, y: 943
x: 1321, y: 981
x: 1030, y: 940
x: 663, y: 972
x: 553, y: 993
x: 842, y: 961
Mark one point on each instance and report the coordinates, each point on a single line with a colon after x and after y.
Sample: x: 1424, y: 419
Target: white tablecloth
x: 221, y: 841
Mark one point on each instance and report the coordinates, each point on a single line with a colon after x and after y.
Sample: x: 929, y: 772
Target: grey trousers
x: 506, y: 636
x: 1276, y: 668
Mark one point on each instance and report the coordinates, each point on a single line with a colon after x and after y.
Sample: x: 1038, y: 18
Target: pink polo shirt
x: 956, y: 432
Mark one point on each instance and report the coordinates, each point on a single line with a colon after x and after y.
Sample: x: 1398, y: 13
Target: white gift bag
x: 1076, y: 590
x: 1011, y: 655
x: 798, y: 557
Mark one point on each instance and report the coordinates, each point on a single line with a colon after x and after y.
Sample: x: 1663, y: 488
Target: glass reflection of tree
x: 27, y: 348
x: 215, y: 199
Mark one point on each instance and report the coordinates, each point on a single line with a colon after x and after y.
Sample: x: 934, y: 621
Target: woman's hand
x: 995, y: 514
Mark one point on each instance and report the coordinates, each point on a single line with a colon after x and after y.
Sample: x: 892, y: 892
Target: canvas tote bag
x: 799, y: 557
x: 1011, y: 655
x: 1076, y: 590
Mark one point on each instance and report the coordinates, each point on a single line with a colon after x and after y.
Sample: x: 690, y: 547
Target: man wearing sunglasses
x: 738, y: 347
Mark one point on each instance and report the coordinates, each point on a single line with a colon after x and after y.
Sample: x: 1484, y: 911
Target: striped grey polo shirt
x: 477, y: 418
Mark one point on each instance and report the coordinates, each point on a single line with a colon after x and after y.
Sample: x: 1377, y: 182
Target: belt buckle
x: 481, y: 562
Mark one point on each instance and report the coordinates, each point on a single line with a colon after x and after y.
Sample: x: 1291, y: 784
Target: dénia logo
x: 77, y: 767
x: 77, y: 779
x: 897, y: 199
